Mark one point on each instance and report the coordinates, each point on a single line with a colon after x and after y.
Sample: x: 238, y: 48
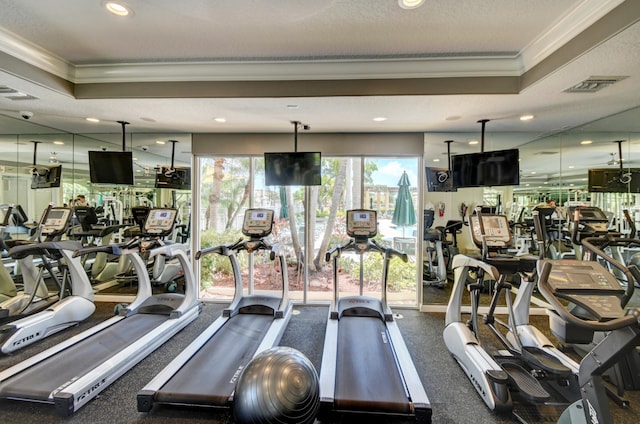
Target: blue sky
x: 390, y: 170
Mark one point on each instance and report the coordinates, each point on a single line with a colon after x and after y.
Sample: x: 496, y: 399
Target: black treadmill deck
x: 54, y: 373
x: 209, y: 377
x: 367, y: 377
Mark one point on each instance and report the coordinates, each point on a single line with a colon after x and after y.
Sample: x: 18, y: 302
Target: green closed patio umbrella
x: 284, y: 207
x: 404, y: 215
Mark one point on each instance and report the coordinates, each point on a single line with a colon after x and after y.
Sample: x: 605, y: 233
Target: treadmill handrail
x: 227, y: 249
x: 371, y: 245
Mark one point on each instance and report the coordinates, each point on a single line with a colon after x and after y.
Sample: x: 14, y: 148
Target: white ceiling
x: 174, y: 66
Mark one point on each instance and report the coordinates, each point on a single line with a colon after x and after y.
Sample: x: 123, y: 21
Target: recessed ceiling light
x: 526, y: 117
x: 93, y: 119
x: 380, y: 119
x: 533, y: 172
x: 586, y: 142
x: 453, y: 118
x: 220, y: 119
x: 473, y: 142
x: 118, y: 8
x: 147, y: 119
x: 160, y: 142
x: 59, y: 143
x: 410, y: 4
x: 571, y: 166
x: 436, y: 160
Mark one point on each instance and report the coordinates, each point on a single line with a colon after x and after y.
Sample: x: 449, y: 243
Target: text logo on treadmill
x: 91, y: 389
x: 25, y: 339
x: 236, y: 375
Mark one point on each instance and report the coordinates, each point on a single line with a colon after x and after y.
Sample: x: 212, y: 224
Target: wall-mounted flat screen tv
x: 176, y: 179
x: 497, y: 168
x: 614, y: 180
x: 46, y: 176
x: 293, y: 168
x: 439, y: 179
x: 111, y: 167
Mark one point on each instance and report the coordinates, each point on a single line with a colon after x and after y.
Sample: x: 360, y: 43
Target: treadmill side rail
x: 91, y: 384
x: 328, y: 368
x: 417, y: 394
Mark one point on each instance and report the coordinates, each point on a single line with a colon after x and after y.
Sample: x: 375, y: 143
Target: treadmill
x: 206, y: 372
x: 366, y: 367
x: 75, y: 371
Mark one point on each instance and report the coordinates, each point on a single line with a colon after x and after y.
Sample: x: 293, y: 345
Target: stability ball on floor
x: 279, y: 385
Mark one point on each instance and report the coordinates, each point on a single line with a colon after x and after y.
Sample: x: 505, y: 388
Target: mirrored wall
x: 40, y: 166
x: 552, y: 167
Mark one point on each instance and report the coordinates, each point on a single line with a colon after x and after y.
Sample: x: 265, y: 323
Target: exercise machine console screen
x: 496, y: 230
x: 257, y: 223
x: 56, y: 221
x: 362, y: 223
x: 160, y: 222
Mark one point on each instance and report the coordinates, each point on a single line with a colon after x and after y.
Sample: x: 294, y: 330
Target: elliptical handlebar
x: 114, y: 249
x: 632, y: 318
x: 537, y: 226
x: 631, y: 272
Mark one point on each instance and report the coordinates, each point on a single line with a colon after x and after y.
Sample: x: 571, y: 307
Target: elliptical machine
x: 73, y: 302
x: 526, y: 368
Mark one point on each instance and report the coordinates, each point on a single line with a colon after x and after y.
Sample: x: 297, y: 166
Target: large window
x: 309, y: 219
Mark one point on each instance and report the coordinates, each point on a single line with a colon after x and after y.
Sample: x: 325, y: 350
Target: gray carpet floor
x: 452, y: 397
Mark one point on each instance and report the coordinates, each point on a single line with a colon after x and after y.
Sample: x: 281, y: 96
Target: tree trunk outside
x: 214, y: 197
x: 335, y: 204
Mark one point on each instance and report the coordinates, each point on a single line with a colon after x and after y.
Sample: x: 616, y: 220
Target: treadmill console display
x: 257, y: 223
x: 362, y: 223
x: 160, y: 222
x: 56, y: 221
x: 496, y: 230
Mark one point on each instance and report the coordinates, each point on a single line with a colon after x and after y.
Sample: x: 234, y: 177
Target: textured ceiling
x: 334, y: 65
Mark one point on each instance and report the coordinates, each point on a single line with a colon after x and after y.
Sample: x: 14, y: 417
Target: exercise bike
x: 440, y: 249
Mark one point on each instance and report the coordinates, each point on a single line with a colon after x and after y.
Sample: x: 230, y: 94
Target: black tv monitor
x: 439, y: 179
x: 497, y: 168
x: 614, y: 180
x: 293, y: 168
x: 46, y: 176
x: 177, y: 178
x: 111, y: 167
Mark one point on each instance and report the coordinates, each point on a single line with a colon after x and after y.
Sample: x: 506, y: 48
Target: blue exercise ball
x: 279, y: 385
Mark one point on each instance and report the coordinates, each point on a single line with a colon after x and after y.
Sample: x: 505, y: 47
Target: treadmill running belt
x: 38, y: 381
x: 209, y: 377
x: 367, y: 377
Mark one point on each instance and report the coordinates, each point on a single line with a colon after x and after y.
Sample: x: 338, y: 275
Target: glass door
x: 310, y: 219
